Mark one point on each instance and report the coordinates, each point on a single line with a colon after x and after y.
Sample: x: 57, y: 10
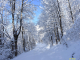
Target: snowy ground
x: 57, y: 52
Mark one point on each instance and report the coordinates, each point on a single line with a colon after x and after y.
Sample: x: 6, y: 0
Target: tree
x: 56, y: 18
x: 49, y: 21
x: 2, y: 17
x: 29, y: 36
x: 23, y: 8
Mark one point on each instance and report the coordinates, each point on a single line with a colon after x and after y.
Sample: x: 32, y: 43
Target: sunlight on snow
x: 48, y: 47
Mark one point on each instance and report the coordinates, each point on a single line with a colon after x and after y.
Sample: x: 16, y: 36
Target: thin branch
x: 5, y: 31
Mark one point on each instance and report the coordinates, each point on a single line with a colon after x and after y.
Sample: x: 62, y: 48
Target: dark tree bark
x: 55, y: 34
x: 71, y: 11
x: 58, y: 38
x: 0, y: 40
x: 60, y: 19
x: 15, y: 38
x: 2, y: 23
x: 23, y: 32
x: 51, y: 38
x: 2, y: 28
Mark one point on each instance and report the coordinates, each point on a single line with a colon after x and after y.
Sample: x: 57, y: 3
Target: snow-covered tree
x: 19, y: 10
x: 49, y: 21
x: 56, y: 18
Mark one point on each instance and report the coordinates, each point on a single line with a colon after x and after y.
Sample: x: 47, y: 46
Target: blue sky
x: 38, y: 11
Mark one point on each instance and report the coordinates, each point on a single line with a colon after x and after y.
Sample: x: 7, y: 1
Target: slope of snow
x: 57, y: 52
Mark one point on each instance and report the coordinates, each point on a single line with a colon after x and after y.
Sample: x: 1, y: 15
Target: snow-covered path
x: 57, y: 52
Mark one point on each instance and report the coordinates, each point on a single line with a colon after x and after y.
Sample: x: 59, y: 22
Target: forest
x: 39, y: 29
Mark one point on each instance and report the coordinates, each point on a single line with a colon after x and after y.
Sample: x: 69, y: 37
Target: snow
x: 38, y: 28
x: 57, y: 52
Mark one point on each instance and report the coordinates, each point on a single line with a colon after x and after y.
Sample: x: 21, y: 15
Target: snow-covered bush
x: 74, y: 32
x: 4, y: 53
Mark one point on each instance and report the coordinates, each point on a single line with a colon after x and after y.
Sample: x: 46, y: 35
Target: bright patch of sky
x: 38, y: 11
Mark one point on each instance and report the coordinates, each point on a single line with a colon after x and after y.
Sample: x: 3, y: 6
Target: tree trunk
x: 71, y: 11
x: 23, y: 38
x: 15, y: 39
x: 61, y: 28
x: 55, y: 35
x: 60, y: 19
x: 2, y: 23
x: 16, y: 47
x: 58, y: 38
x: 13, y: 10
x: 0, y: 40
x: 52, y: 39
